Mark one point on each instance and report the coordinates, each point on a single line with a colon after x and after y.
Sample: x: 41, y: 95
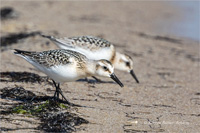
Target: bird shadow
x: 18, y: 93
x: 15, y: 129
x: 29, y: 77
x: 95, y: 81
x: 26, y: 77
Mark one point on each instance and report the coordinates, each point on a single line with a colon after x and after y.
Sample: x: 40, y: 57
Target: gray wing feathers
x: 84, y: 42
x: 46, y: 58
x: 61, y: 42
x: 51, y: 57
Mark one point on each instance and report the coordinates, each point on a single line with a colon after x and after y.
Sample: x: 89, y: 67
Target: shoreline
x: 167, y: 98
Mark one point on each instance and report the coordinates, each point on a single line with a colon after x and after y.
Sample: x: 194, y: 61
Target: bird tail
x: 21, y: 52
x: 49, y: 37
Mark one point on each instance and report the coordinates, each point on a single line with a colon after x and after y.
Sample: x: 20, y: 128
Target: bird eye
x: 105, y: 68
x: 127, y: 63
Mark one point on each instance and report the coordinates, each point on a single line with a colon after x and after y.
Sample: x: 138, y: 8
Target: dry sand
x: 168, y: 96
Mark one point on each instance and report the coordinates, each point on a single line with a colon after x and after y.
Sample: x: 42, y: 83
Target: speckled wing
x: 90, y: 42
x: 85, y: 42
x: 52, y: 57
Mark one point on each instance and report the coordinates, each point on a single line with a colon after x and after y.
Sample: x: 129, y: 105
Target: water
x: 189, y: 26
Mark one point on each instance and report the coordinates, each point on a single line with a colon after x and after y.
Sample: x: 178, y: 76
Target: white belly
x: 94, y: 55
x: 62, y: 73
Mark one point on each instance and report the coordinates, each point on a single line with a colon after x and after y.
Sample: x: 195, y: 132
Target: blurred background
x: 179, y: 18
x: 188, y: 25
x: 161, y: 37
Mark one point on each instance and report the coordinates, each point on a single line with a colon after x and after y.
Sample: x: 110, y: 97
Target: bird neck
x: 91, y: 68
x: 116, y: 61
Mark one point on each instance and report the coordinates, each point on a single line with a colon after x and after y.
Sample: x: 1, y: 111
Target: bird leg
x: 98, y: 80
x: 58, y: 91
x: 56, y: 94
x: 87, y: 80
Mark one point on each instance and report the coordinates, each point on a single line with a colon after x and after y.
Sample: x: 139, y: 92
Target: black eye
x: 105, y: 68
x: 127, y: 63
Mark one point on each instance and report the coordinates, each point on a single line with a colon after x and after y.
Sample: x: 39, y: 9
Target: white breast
x: 102, y: 53
x: 61, y: 73
x: 96, y: 55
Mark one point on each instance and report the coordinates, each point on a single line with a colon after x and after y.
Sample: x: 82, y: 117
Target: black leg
x: 60, y: 91
x: 56, y: 94
x: 98, y: 80
x: 87, y: 80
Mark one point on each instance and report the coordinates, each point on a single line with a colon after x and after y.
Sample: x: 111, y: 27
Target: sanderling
x: 96, y: 48
x: 66, y: 65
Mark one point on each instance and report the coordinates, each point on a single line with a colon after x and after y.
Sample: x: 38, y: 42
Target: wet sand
x: 168, y: 96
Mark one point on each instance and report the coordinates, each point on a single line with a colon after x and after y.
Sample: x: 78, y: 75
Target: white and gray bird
x: 96, y: 48
x: 65, y: 66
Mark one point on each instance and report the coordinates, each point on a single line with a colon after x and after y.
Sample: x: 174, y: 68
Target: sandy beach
x: 167, y: 99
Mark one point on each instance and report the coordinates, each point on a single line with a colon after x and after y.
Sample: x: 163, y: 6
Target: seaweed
x: 8, y: 13
x: 61, y: 122
x: 18, y: 93
x: 22, y: 77
x: 157, y: 37
x: 15, y: 37
x: 54, y: 116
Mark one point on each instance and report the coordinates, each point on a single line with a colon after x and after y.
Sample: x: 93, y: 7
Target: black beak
x: 134, y: 76
x: 114, y: 77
